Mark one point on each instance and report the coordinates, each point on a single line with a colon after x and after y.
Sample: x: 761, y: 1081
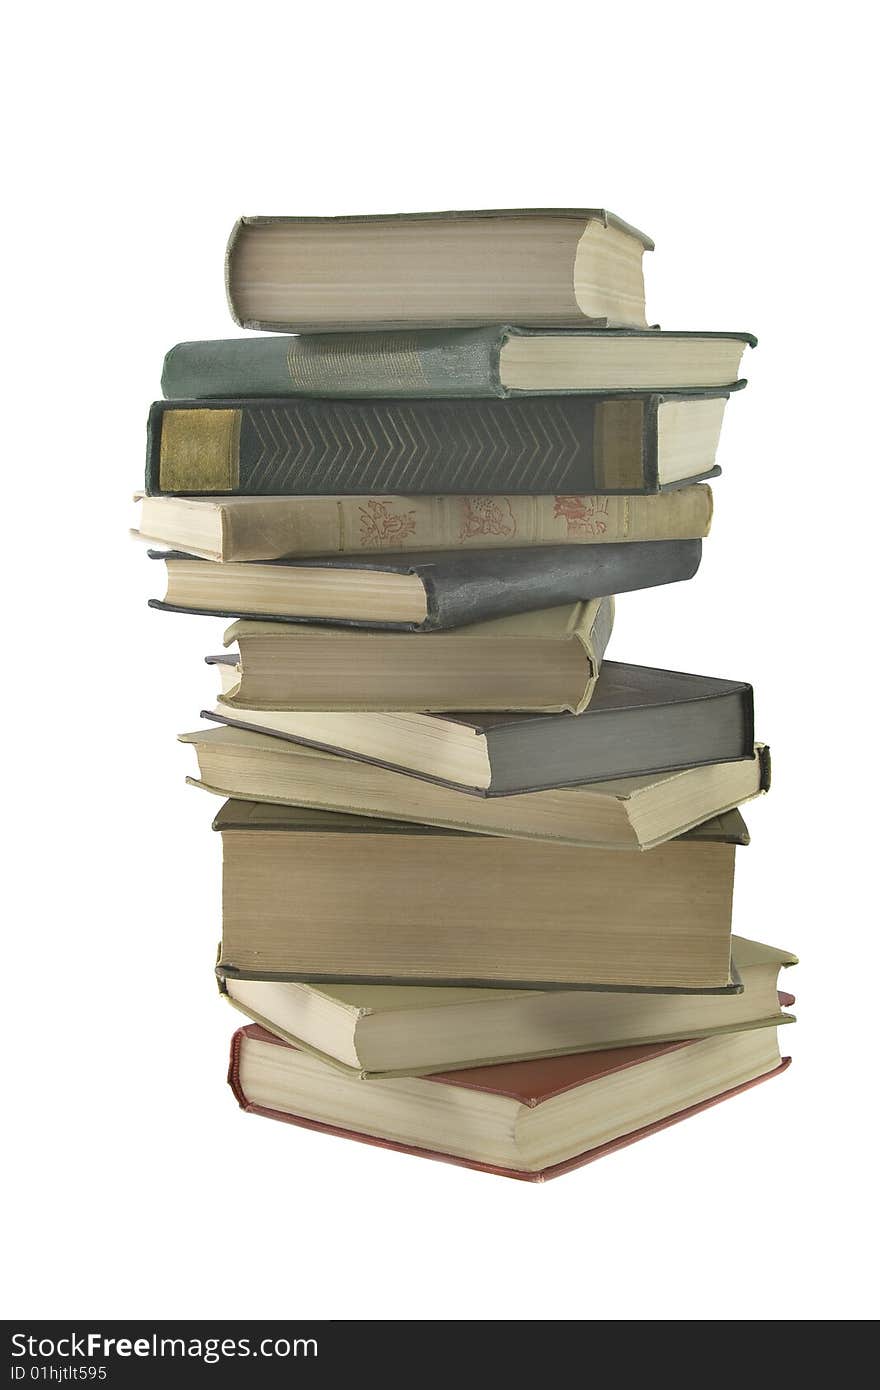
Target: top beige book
x: 551, y: 267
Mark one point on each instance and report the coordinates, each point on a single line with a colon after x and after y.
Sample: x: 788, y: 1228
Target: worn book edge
x: 225, y: 968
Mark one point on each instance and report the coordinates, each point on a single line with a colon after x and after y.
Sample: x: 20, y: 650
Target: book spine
x: 594, y: 633
x: 232, y: 367
x: 232, y: 1074
x: 433, y: 365
x: 454, y: 598
x: 296, y: 446
x: 287, y: 527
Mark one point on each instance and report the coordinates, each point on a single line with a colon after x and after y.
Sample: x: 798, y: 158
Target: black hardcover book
x: 296, y: 446
x: 421, y: 593
x: 640, y: 721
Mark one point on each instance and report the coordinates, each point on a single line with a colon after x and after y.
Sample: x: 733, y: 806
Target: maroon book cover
x: 529, y: 1082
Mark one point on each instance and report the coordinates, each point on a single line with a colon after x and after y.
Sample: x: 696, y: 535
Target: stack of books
x: 477, y: 878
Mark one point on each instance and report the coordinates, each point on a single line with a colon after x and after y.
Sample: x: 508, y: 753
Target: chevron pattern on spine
x: 539, y: 445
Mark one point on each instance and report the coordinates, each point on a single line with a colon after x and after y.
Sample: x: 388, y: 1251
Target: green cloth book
x: 499, y: 360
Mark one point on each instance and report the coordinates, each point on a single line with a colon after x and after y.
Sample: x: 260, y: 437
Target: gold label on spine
x: 618, y: 431
x: 198, y: 451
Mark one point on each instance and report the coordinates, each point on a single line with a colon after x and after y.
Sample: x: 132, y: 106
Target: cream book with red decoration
x: 273, y: 528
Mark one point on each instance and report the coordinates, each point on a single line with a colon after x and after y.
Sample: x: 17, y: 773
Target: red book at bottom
x: 527, y: 1084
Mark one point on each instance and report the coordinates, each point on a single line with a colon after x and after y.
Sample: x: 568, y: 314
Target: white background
x: 738, y: 138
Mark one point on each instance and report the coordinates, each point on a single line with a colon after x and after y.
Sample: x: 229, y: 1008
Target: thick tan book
x: 547, y: 660
x: 317, y: 897
x: 274, y: 528
x: 528, y: 1120
x: 373, y: 1031
x: 628, y: 814
x: 543, y: 266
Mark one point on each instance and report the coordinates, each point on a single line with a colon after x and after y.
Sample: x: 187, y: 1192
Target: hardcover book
x: 274, y: 528
x: 317, y: 897
x: 519, y: 265
x: 431, y: 592
x: 499, y: 360
x: 299, y: 447
x: 372, y: 1031
x: 635, y: 720
x: 528, y: 1120
x: 633, y: 813
x: 545, y: 660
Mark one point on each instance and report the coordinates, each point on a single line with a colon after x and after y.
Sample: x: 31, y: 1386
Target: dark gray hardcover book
x: 296, y: 447
x: 460, y: 587
x: 640, y: 721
